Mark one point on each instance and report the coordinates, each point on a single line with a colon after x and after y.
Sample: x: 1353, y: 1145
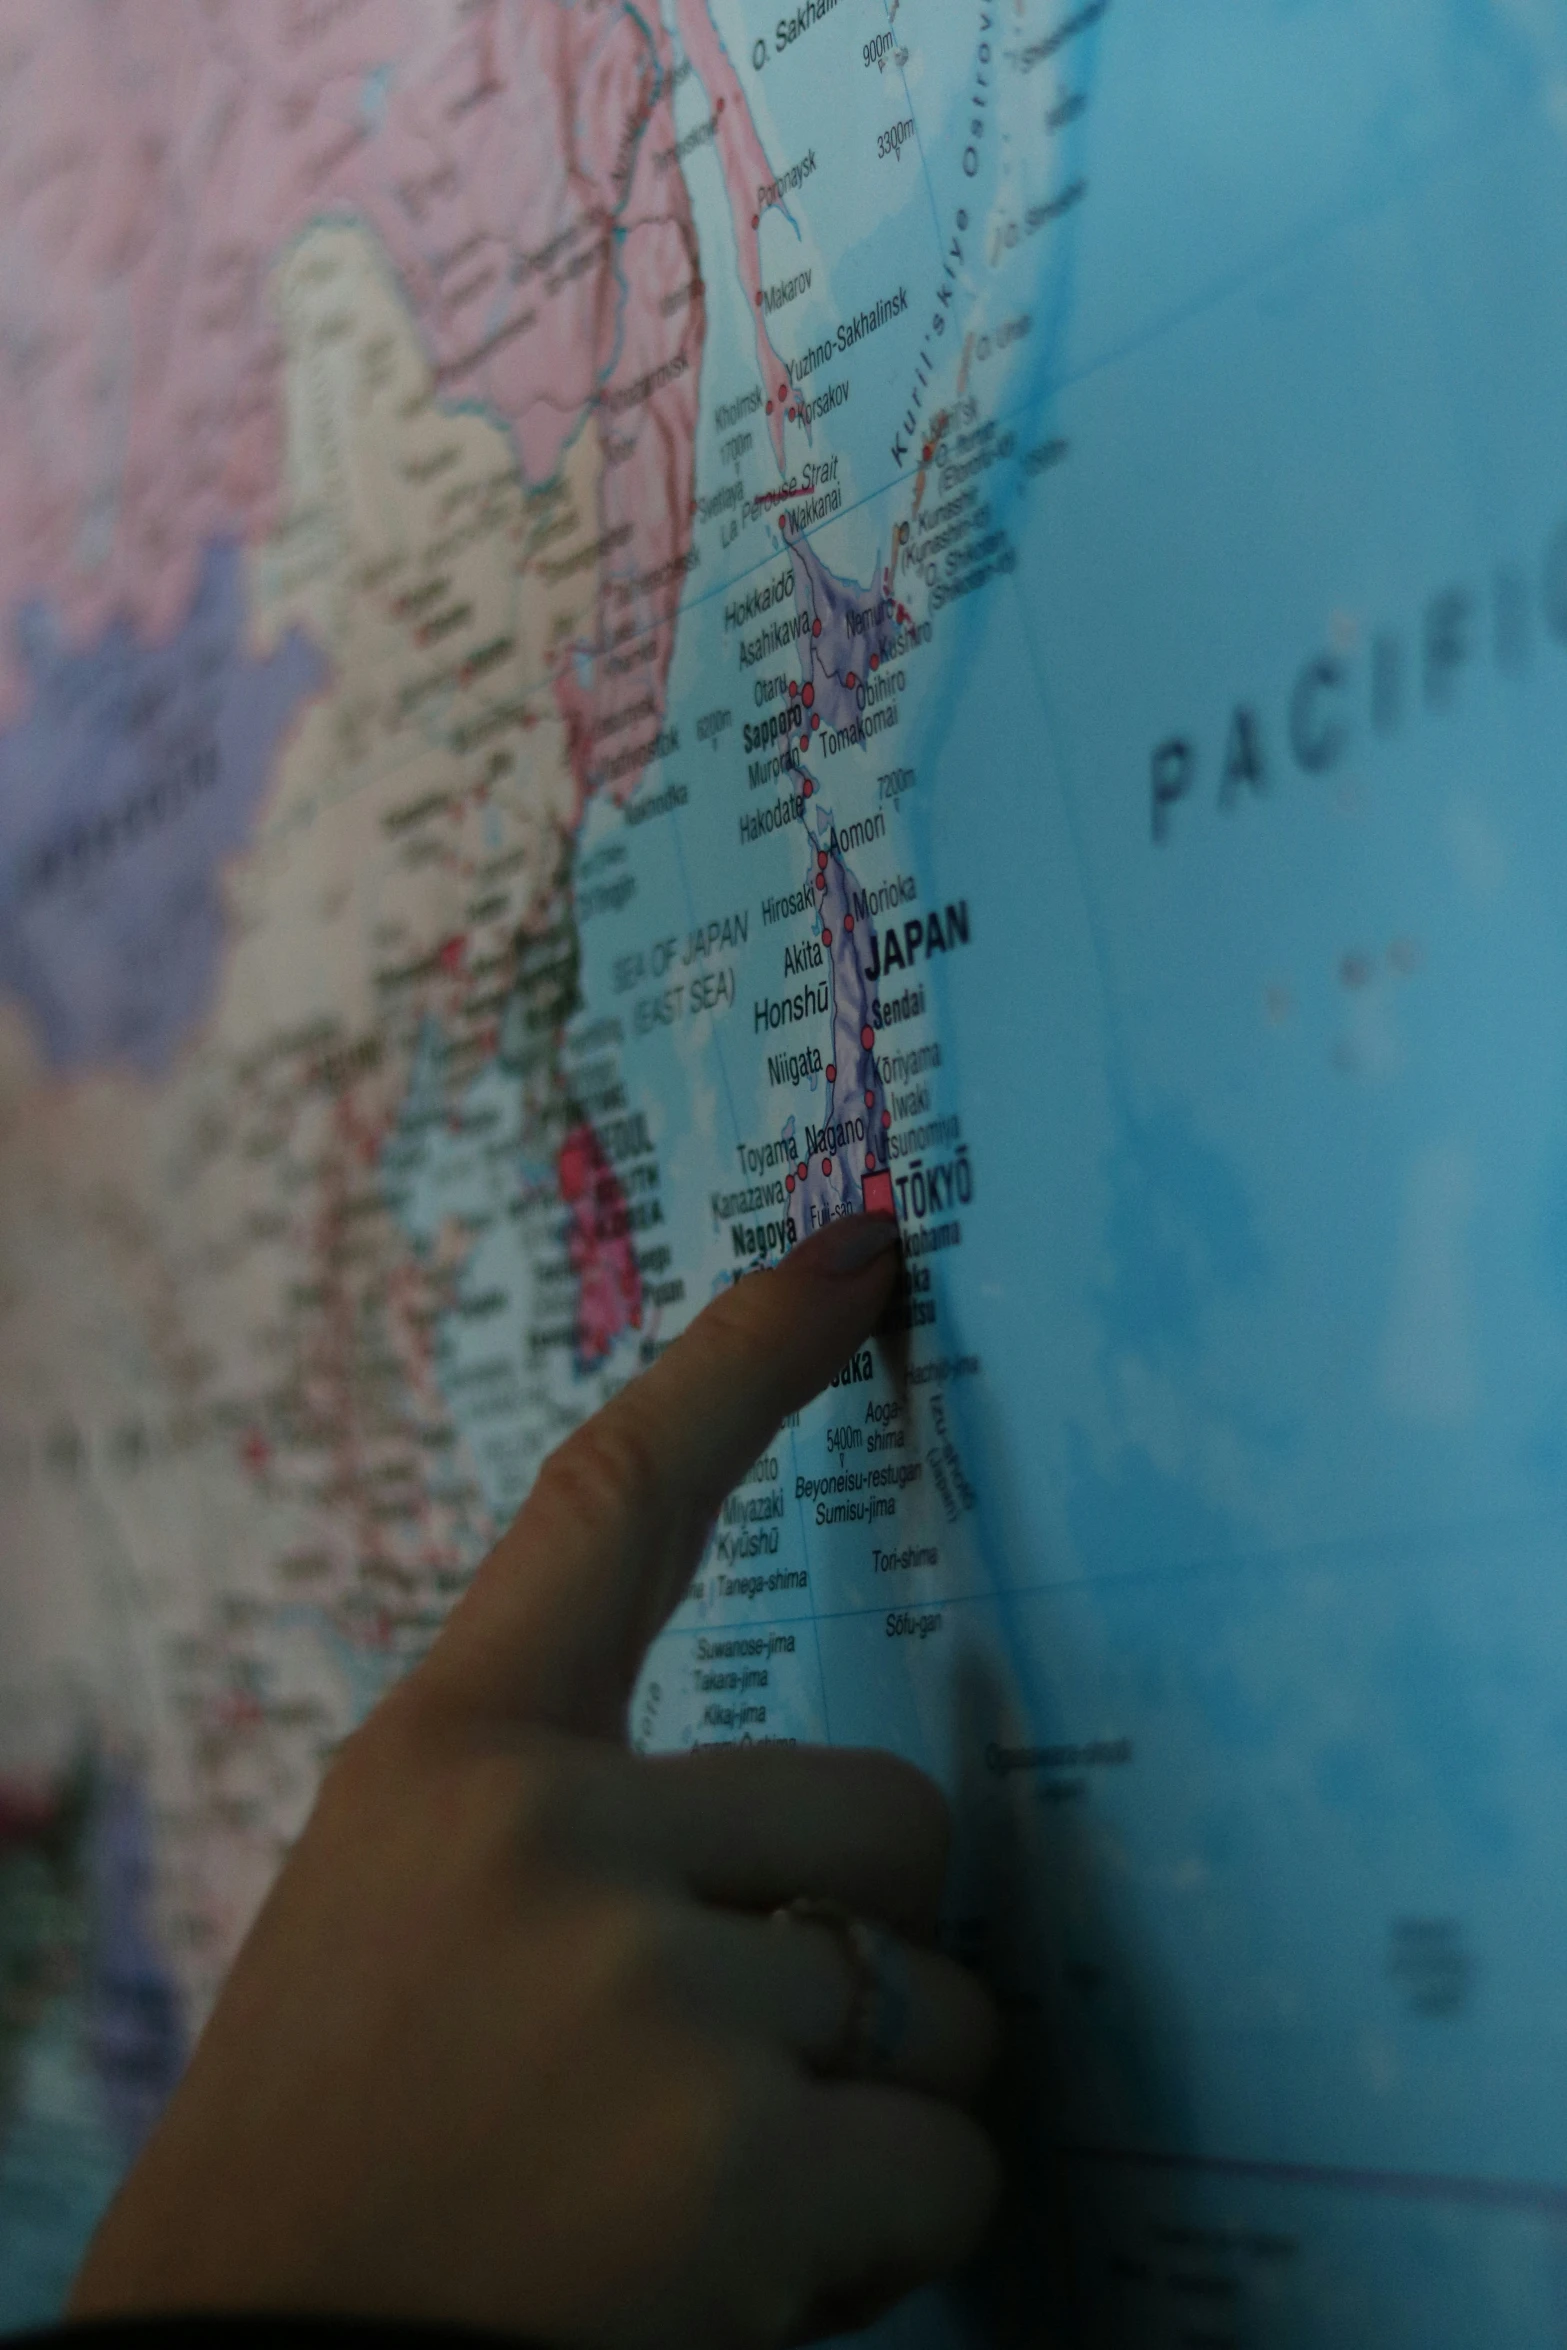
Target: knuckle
x: 510, y: 1803
x: 600, y: 1960
x: 476, y: 1809
x: 566, y: 1806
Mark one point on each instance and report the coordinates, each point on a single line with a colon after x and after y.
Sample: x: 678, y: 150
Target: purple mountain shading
x: 138, y: 771
x: 848, y: 636
x: 137, y: 2031
x: 843, y: 1163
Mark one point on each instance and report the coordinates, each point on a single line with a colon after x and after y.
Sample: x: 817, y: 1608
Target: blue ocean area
x: 138, y: 771
x: 456, y: 1170
x: 1268, y: 1117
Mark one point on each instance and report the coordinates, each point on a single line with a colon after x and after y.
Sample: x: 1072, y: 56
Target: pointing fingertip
x: 849, y: 1245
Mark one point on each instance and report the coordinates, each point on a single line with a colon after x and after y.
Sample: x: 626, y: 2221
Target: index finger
x: 559, y: 1617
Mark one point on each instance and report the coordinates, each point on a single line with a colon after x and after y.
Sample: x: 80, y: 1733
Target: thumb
x: 559, y: 1617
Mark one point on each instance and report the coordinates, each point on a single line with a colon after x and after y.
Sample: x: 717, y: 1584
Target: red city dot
x: 821, y: 860
x: 826, y: 1166
x: 769, y: 407
x: 756, y: 220
x: 832, y: 1072
x: 870, y: 1162
x: 794, y: 686
x: 759, y: 301
x: 783, y: 391
x: 815, y: 718
x: 788, y: 1183
x: 848, y: 926
x: 809, y: 695
x: 826, y: 937
x: 870, y: 1100
x: 805, y: 742
x: 804, y: 1170
x: 925, y: 452
x: 807, y: 787
x: 816, y: 628
x: 886, y: 1118
x: 851, y: 681
x: 875, y: 660
x: 868, y: 1038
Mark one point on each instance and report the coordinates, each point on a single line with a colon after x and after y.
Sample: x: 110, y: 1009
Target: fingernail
x: 849, y: 1244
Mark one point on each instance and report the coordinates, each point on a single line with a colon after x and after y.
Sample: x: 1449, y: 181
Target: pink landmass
x: 514, y: 157
x: 609, y: 1285
x: 747, y: 173
x: 516, y: 160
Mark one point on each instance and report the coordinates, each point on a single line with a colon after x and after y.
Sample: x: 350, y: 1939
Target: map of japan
x: 628, y: 629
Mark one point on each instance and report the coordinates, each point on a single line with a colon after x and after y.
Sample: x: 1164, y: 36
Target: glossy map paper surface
x: 623, y: 628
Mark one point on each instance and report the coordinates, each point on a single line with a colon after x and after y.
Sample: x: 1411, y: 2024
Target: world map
x: 628, y: 628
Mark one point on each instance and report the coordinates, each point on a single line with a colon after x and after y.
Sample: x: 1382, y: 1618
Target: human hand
x: 518, y: 2040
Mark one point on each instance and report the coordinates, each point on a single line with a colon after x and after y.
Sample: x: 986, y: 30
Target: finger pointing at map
x: 630, y: 634
x: 594, y: 2049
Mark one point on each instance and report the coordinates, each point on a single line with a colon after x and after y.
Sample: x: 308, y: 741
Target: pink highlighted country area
x: 747, y: 173
x: 514, y: 163
x: 609, y: 1284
